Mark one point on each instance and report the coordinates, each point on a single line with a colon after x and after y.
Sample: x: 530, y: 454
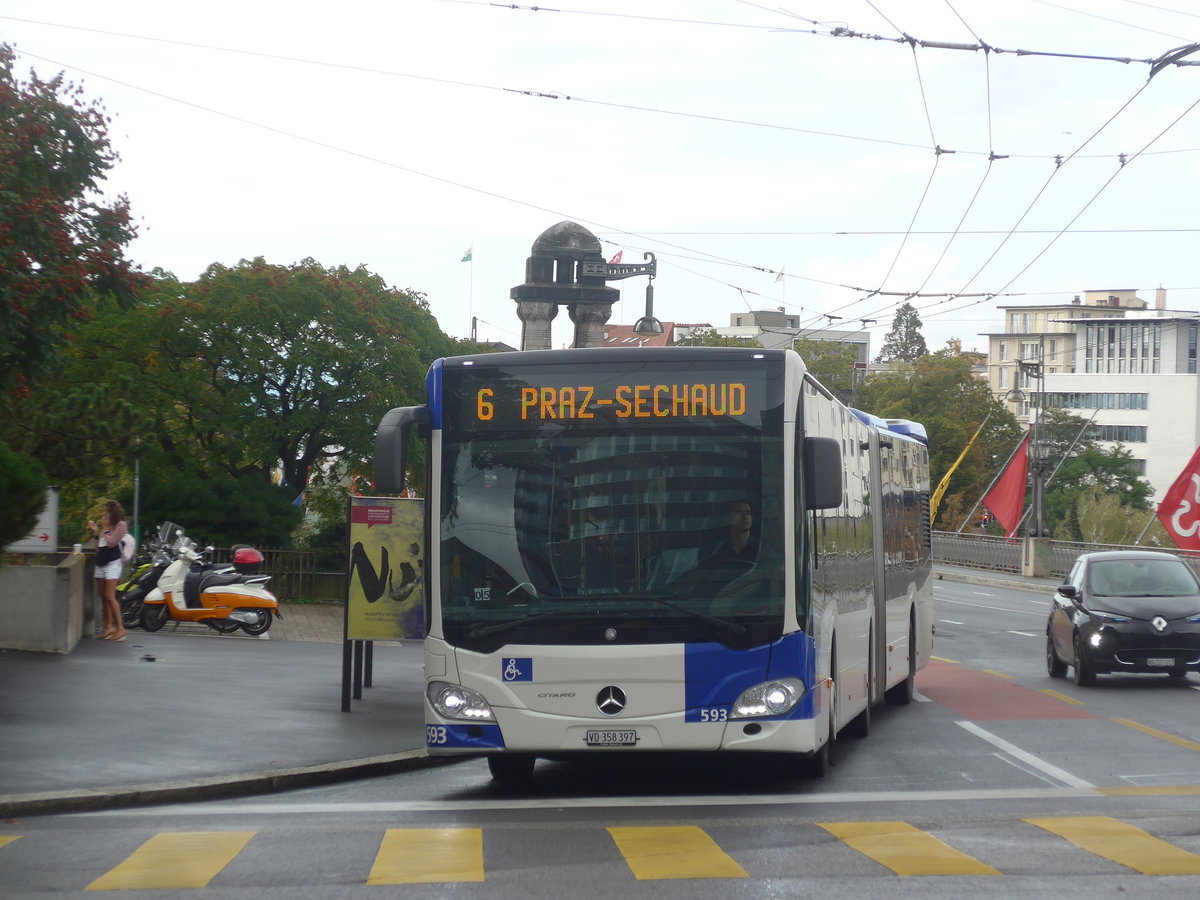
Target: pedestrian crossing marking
x: 674, y: 852
x: 175, y: 859
x: 428, y: 856
x: 1122, y: 843
x: 906, y: 850
x: 8, y: 839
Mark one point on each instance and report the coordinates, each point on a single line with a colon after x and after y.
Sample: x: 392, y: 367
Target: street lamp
x: 1038, y: 452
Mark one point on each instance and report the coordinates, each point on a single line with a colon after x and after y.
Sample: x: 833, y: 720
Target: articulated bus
x: 661, y: 549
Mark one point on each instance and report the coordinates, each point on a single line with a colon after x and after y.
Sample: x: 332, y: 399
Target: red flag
x: 616, y: 259
x: 1007, y: 496
x: 1179, y: 510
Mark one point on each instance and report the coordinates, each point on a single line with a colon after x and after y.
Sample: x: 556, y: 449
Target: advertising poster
x: 385, y: 592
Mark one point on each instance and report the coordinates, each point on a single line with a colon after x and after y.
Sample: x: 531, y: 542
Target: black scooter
x: 145, y: 574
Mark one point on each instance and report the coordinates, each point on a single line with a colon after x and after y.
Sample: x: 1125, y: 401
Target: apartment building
x: 1111, y: 357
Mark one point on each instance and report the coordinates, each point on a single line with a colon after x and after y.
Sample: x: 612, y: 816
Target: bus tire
x: 819, y: 762
x: 902, y: 694
x: 511, y: 768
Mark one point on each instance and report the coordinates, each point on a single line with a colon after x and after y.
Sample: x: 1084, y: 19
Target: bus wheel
x: 511, y: 768
x: 818, y: 764
x: 902, y: 694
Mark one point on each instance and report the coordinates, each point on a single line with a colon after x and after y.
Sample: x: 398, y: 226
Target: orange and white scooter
x: 225, y: 598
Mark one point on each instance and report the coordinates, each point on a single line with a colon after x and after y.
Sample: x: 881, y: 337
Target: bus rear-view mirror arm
x: 391, y: 446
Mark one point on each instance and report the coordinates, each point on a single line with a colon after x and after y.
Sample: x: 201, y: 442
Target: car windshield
x: 1141, y: 578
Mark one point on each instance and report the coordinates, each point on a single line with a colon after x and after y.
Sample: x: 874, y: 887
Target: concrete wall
x: 46, y: 607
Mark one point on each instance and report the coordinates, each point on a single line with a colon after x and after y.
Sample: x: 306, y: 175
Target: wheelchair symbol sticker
x: 518, y: 668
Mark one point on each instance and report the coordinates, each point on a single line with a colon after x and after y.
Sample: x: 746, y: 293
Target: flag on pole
x: 1006, y: 499
x: 616, y: 259
x: 467, y: 255
x: 1179, y: 510
x: 779, y: 276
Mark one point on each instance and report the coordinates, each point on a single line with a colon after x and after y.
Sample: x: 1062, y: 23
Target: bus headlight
x: 457, y: 702
x: 771, y: 698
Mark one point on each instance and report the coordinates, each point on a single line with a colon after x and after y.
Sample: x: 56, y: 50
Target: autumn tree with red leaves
x: 61, y: 243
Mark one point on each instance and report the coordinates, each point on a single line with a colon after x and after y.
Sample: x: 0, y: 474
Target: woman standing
x: 108, y: 566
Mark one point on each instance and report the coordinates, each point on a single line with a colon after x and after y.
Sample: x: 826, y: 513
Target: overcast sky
x: 734, y: 140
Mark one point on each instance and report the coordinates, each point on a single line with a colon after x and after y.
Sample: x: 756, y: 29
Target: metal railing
x: 999, y: 554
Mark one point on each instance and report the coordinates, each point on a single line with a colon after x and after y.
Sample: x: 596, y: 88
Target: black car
x: 1125, y: 611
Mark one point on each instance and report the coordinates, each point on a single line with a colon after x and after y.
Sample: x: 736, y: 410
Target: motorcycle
x: 225, y: 598
x: 146, y: 571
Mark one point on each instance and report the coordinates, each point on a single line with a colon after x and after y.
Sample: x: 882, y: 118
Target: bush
x: 23, y: 487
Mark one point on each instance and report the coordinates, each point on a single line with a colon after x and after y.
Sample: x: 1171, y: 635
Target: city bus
x: 661, y: 549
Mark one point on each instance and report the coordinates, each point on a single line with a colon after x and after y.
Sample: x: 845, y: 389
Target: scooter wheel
x: 259, y: 626
x: 154, y: 617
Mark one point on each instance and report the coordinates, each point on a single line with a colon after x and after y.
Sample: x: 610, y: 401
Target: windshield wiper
x: 497, y: 627
x: 725, y: 625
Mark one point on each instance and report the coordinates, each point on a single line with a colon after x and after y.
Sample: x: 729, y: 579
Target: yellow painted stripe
x: 1063, y: 697
x: 175, y: 859
x: 428, y: 856
x: 943, y: 659
x: 1179, y: 790
x: 675, y: 852
x: 1123, y: 843
x: 906, y: 850
x: 997, y: 674
x: 1182, y: 742
x: 8, y: 839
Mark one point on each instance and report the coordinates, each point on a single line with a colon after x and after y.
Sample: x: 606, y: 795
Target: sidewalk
x: 180, y: 715
x: 188, y: 714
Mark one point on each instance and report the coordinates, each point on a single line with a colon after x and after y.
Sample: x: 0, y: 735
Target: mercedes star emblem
x: 610, y: 700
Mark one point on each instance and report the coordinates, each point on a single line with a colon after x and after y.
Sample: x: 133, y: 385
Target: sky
x: 831, y: 158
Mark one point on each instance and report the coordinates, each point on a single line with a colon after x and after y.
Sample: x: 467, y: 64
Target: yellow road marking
x: 1180, y: 790
x: 943, y: 659
x: 1122, y: 843
x: 674, y: 852
x: 997, y: 674
x: 8, y: 839
x: 1182, y: 742
x: 906, y: 850
x: 1063, y: 697
x: 428, y: 856
x: 175, y: 859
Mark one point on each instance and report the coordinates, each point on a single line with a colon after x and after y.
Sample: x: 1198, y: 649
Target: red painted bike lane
x: 981, y: 697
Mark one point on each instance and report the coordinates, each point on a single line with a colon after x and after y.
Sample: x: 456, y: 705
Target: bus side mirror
x: 822, y: 472
x: 391, y: 446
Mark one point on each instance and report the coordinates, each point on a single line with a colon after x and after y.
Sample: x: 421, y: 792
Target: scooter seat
x: 217, y: 579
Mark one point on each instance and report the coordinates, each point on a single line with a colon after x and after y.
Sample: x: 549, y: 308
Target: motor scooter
x: 225, y: 598
x: 146, y: 571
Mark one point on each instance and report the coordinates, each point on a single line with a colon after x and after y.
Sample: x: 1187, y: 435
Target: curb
x: 217, y: 787
x: 998, y: 581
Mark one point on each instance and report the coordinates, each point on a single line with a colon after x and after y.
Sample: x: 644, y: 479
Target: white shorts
x: 111, y: 571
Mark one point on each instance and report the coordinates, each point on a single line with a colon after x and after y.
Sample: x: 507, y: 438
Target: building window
x: 1123, y: 434
x: 1003, y: 379
x: 1003, y: 352
x: 1090, y: 400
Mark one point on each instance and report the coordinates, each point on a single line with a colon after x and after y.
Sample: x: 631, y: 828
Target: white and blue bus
x: 661, y: 549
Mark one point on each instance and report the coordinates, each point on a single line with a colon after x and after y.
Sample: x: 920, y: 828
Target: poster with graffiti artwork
x: 385, y: 592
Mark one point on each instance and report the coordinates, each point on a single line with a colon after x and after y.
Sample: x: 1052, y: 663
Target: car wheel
x: 1177, y: 674
x: 1085, y: 675
x: 1055, y: 667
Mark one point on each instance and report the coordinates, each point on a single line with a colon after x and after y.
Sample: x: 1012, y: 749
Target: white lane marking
x: 1023, y: 612
x: 1025, y: 633
x: 442, y: 806
x: 951, y: 622
x: 921, y: 698
x: 1026, y: 757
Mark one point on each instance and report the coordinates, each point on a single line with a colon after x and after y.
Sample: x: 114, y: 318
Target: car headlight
x: 771, y: 698
x: 1109, y: 617
x: 1193, y: 618
x: 457, y: 702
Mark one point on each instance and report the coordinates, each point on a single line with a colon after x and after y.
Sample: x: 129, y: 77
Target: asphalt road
x: 998, y: 782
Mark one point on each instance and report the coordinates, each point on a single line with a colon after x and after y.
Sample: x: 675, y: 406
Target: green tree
x: 61, y: 246
x: 708, y: 337
x: 832, y: 364
x: 23, y: 487
x: 903, y: 343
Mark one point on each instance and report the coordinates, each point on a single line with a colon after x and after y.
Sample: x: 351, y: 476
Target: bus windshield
x: 563, y: 529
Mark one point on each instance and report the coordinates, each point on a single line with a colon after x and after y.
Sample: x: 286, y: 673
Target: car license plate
x: 626, y: 738
x: 1160, y: 661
